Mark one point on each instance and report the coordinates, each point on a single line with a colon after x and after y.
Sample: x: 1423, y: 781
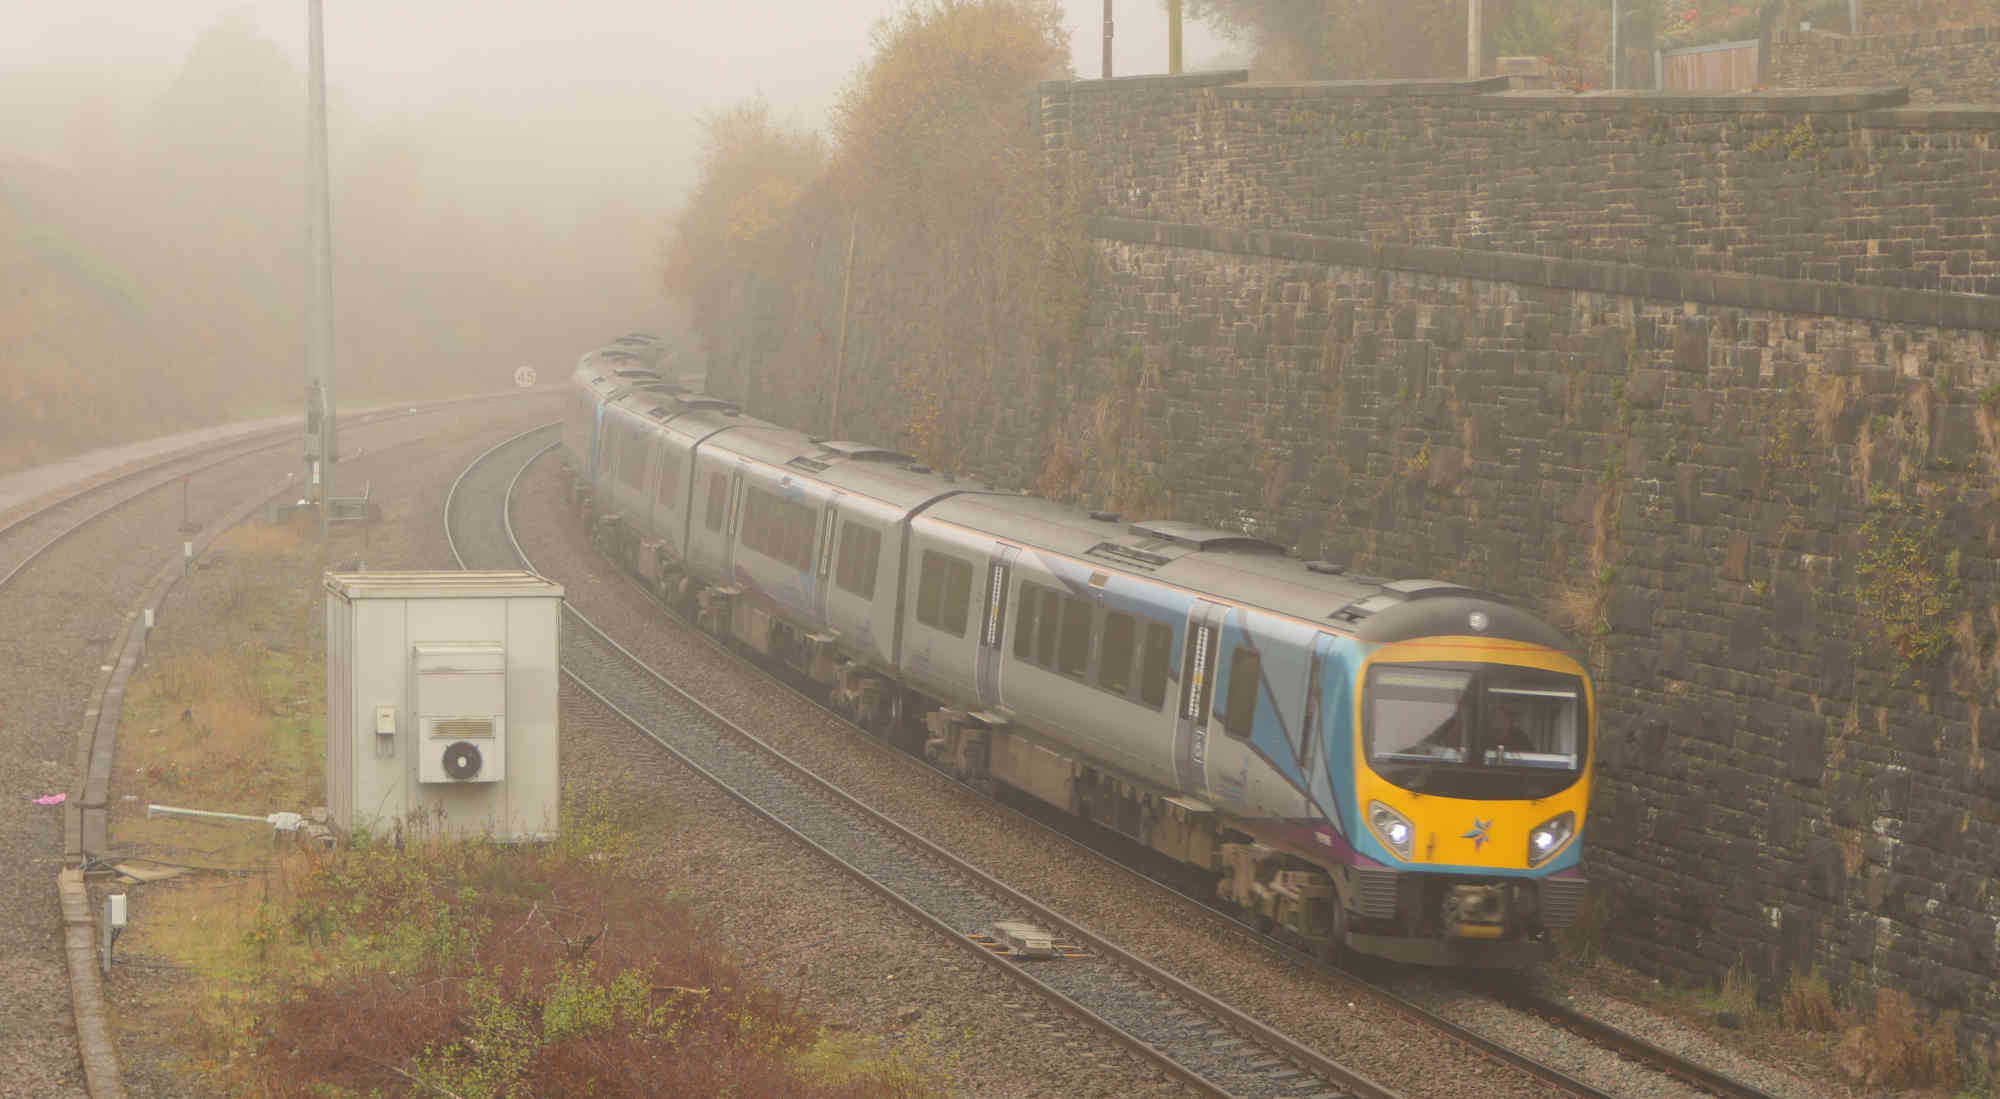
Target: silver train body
x: 1196, y: 690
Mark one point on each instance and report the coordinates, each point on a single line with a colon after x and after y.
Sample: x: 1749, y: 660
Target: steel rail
x: 1281, y: 1046
x: 204, y: 454
x: 1592, y: 1030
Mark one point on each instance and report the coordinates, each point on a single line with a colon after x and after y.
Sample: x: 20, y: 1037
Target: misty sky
x: 533, y: 60
x: 516, y: 164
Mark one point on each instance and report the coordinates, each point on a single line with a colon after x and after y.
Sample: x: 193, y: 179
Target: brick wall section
x: 1695, y: 484
x: 1827, y: 187
x: 1944, y: 66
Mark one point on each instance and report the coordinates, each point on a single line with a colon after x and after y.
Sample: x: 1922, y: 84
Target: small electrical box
x: 441, y: 702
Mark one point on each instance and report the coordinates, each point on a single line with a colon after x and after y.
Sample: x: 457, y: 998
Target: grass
x: 474, y: 968
x: 422, y: 966
x: 227, y: 714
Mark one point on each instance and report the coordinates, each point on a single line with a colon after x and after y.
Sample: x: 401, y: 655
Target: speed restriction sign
x: 524, y: 377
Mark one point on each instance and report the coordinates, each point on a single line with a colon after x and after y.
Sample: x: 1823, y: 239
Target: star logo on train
x: 1477, y: 833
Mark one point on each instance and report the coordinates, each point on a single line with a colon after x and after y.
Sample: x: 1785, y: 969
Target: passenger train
x: 1395, y: 767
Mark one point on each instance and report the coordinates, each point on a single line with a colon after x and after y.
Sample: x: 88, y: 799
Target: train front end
x: 1472, y: 737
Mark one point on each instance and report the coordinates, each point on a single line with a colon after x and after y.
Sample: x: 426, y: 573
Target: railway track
x: 1186, y: 1032
x: 40, y: 526
x: 1598, y: 1033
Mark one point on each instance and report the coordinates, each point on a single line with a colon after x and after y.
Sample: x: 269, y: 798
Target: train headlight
x: 1549, y: 837
x: 1392, y: 828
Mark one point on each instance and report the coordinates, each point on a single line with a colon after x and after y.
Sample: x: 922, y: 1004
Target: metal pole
x: 1107, y: 39
x: 840, y: 357
x: 319, y: 306
x: 1854, y: 17
x: 1616, y: 46
x: 1173, y: 37
x: 1475, y: 52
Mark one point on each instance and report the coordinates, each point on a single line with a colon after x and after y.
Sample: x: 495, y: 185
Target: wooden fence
x: 1721, y: 66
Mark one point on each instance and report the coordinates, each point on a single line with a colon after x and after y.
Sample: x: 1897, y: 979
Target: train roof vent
x: 711, y: 404
x: 811, y: 465
x: 615, y: 353
x: 1203, y: 539
x: 658, y: 412
x: 1429, y: 589
x: 661, y: 387
x: 637, y: 374
x: 1127, y: 555
x: 1362, y: 608
x: 867, y: 452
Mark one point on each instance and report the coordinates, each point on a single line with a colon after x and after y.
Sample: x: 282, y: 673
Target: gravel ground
x: 60, y: 618
x: 801, y: 926
x: 1189, y: 941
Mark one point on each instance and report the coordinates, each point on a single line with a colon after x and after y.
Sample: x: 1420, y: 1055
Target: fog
x: 504, y: 172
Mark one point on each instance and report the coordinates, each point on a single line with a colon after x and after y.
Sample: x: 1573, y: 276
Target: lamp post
x: 319, y: 272
x: 1107, y: 39
x: 1474, y: 46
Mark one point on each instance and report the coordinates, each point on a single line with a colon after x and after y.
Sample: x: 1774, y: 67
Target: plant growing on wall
x: 1905, y: 579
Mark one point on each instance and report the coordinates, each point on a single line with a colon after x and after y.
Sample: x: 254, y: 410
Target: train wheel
x: 1332, y: 950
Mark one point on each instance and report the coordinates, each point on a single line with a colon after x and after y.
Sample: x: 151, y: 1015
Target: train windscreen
x: 1475, y: 730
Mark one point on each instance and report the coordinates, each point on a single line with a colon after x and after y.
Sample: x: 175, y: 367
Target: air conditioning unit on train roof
x: 441, y: 702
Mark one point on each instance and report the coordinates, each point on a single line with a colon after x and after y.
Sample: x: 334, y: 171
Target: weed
x: 1808, y: 1003
x: 1801, y: 142
x: 1905, y: 580
x: 1895, y: 1048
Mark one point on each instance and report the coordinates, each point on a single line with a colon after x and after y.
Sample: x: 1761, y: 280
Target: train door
x: 734, y: 522
x: 993, y: 624
x: 823, y: 573
x: 1191, y: 717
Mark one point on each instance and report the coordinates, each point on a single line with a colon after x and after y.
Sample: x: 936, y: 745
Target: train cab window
x: 1153, y: 668
x: 1114, y: 653
x: 670, y: 478
x: 1246, y: 676
x: 718, y: 499
x: 944, y: 588
x: 860, y: 550
x: 1073, y: 652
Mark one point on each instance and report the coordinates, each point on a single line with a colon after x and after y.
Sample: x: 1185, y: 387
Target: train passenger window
x: 670, y: 478
x: 1073, y: 656
x: 718, y: 499
x: 778, y: 528
x: 1246, y: 674
x: 1114, y: 654
x: 957, y: 595
x: 1153, y: 668
x: 1024, y: 622
x: 944, y: 588
x: 632, y: 463
x: 1048, y: 621
x: 860, y: 550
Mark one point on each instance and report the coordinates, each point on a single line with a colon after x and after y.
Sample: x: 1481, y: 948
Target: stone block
x: 1646, y: 388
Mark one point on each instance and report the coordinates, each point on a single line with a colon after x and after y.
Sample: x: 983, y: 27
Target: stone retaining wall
x: 1944, y: 66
